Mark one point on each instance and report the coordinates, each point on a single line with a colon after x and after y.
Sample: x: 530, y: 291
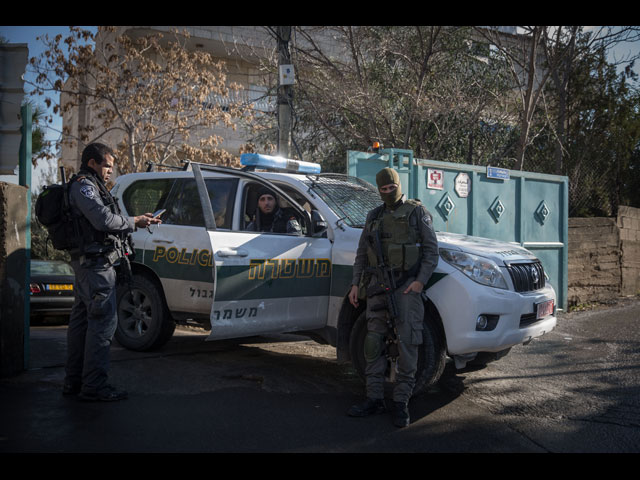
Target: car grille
x: 527, y: 277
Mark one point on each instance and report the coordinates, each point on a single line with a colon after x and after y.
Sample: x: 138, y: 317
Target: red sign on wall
x: 435, y: 179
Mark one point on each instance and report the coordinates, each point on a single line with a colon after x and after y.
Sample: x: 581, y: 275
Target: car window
x: 50, y: 268
x: 350, y: 198
x: 184, y: 208
x: 146, y: 196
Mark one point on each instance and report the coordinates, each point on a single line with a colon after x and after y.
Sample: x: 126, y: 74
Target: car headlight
x: 478, y: 269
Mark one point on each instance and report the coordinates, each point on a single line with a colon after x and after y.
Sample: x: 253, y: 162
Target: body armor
x: 92, y: 242
x: 400, y: 238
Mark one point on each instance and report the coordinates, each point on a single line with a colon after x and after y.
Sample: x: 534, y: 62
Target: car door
x: 179, y: 249
x: 268, y: 282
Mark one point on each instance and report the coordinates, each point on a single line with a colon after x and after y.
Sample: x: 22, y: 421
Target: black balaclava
x: 387, y: 176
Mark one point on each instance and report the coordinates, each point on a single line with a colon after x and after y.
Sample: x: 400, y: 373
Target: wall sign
x: 500, y: 173
x: 462, y: 185
x: 435, y: 179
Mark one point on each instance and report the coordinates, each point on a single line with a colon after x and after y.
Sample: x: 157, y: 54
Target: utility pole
x: 285, y: 90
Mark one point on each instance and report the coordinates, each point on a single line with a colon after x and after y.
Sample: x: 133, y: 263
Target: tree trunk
x: 133, y: 161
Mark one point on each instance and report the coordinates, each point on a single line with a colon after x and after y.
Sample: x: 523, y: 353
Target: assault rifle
x: 385, y: 285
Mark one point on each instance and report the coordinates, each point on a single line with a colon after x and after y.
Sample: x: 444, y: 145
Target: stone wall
x: 604, y: 257
x: 629, y: 224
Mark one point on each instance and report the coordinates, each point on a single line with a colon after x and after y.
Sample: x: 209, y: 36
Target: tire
x: 356, y: 343
x: 144, y: 321
x: 433, y: 352
x: 431, y: 358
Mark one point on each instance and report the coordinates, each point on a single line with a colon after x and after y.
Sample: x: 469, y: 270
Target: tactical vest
x: 400, y: 238
x: 92, y: 240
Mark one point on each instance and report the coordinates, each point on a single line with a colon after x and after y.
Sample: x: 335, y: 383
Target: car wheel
x: 433, y: 353
x: 144, y: 321
x: 431, y: 357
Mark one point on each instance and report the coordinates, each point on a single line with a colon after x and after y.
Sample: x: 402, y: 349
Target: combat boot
x: 400, y: 414
x: 370, y: 406
x: 71, y: 389
x: 106, y: 394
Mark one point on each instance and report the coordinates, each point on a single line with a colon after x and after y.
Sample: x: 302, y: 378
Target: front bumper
x: 460, y: 301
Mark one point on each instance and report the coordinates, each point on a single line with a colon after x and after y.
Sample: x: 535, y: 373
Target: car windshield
x: 51, y: 268
x: 350, y: 198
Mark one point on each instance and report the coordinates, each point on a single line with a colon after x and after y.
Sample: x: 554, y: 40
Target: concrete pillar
x: 13, y: 268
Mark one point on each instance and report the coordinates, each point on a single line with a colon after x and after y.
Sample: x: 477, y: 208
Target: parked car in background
x: 52, y: 290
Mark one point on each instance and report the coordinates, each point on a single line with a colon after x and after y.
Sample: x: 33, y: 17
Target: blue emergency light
x: 258, y: 160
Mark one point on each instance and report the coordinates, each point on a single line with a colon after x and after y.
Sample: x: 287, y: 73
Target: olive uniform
x: 410, y: 247
x: 103, y: 231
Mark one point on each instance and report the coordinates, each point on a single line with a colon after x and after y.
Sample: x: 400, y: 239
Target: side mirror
x: 318, y: 223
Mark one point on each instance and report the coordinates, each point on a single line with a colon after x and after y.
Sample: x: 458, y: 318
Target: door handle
x: 161, y: 240
x: 232, y: 252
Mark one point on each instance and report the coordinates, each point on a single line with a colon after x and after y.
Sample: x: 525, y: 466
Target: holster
x: 112, y: 257
x: 124, y: 275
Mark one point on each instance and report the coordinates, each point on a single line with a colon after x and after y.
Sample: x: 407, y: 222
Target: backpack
x: 54, y: 213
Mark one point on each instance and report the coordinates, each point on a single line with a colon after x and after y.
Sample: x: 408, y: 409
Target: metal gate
x: 529, y: 209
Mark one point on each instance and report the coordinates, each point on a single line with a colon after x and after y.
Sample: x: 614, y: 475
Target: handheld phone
x: 159, y: 212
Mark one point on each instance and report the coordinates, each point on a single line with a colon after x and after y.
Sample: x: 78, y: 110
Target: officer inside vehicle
x: 269, y: 217
x: 103, y: 244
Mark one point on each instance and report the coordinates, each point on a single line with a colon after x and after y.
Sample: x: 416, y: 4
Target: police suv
x: 202, y: 264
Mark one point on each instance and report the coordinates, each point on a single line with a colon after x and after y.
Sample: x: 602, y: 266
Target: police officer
x: 271, y: 218
x: 103, y: 232
x: 409, y: 244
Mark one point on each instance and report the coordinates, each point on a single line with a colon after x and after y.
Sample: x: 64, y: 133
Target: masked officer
x: 271, y: 218
x: 102, y: 235
x: 409, y: 244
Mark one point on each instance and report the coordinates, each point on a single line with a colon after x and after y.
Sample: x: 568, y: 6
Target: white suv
x: 201, y: 264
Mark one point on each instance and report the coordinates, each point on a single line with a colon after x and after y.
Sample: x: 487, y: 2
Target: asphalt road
x: 577, y: 389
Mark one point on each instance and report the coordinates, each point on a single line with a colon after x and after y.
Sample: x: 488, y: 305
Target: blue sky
x: 29, y: 35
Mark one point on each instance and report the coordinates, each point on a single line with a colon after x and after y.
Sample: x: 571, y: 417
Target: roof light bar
x: 258, y: 160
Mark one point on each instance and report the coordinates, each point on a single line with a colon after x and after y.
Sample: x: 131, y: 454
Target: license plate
x: 59, y: 286
x: 544, y: 309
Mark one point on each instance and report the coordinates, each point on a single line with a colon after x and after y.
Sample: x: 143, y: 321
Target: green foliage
x: 604, y: 138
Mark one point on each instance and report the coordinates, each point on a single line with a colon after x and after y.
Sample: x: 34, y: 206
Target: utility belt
x: 96, y: 253
x: 111, y: 258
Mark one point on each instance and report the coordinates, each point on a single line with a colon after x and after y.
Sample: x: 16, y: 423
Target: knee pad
x: 373, y: 346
